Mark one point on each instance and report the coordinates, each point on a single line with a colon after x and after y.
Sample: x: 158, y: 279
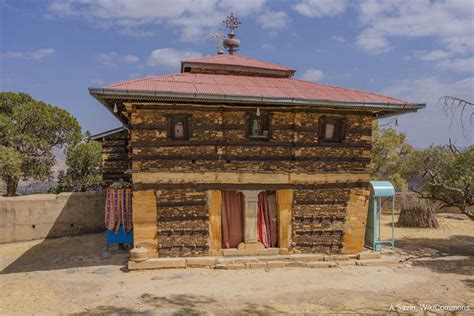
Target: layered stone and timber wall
x: 115, y: 157
x: 220, y: 156
x: 183, y: 223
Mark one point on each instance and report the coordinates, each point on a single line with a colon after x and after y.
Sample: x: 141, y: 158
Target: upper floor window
x: 259, y: 125
x: 178, y: 127
x: 331, y: 129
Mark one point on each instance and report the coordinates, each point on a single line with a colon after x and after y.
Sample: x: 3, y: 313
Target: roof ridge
x: 352, y: 89
x: 139, y: 79
x: 208, y: 60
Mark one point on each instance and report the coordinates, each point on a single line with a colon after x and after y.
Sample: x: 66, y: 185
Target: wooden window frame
x: 248, y: 126
x: 339, y: 129
x: 172, y: 118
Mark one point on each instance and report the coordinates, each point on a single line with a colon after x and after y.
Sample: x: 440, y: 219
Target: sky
x: 417, y: 50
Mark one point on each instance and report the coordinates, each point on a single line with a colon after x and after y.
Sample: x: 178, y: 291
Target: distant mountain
x: 37, y: 187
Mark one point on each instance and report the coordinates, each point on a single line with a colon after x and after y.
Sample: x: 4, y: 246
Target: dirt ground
x: 71, y: 276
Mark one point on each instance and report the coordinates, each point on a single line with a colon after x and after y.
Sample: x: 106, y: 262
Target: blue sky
x: 417, y: 50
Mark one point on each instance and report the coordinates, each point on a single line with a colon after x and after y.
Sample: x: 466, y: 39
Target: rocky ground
x: 71, y: 276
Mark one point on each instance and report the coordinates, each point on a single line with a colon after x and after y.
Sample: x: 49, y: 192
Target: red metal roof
x: 238, y: 61
x: 273, y: 87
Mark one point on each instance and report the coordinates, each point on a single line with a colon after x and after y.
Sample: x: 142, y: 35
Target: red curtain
x: 267, y: 219
x: 232, y: 219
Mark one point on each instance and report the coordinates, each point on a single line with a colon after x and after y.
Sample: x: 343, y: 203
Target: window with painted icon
x: 178, y: 128
x: 331, y: 129
x: 258, y: 125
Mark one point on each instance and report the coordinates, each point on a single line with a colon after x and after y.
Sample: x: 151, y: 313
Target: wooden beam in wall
x: 246, y: 177
x: 214, y: 200
x: 284, y: 201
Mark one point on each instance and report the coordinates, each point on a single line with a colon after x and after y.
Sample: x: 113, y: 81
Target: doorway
x: 267, y: 219
x: 232, y: 224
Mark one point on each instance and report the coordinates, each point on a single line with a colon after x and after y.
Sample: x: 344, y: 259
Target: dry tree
x: 458, y: 110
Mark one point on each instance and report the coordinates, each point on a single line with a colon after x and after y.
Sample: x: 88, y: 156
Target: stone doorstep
x: 277, y: 264
x: 350, y: 263
x: 336, y: 258
x: 378, y: 262
x: 368, y: 254
x: 161, y: 263
x: 255, y: 265
x: 250, y: 252
x: 235, y: 266
x: 321, y: 264
x: 201, y: 262
x: 257, y: 262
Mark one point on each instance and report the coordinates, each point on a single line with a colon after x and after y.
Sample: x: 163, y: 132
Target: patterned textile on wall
x: 119, y: 210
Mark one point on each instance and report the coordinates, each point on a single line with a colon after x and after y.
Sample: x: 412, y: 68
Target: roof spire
x: 218, y: 38
x: 232, y: 43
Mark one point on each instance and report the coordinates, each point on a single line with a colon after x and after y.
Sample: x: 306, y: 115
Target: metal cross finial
x: 231, y: 22
x: 218, y: 38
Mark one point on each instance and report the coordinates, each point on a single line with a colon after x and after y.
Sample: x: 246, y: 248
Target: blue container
x: 120, y: 237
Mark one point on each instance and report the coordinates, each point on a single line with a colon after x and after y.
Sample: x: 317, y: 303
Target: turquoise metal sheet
x: 381, y: 188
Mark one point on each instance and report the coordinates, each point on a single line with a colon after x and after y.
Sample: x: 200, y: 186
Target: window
x: 331, y: 129
x: 258, y: 126
x: 178, y: 128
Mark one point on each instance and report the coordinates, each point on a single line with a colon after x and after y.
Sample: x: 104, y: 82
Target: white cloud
x: 431, y: 125
x: 170, y: 57
x: 320, y: 8
x: 267, y: 46
x: 434, y: 55
x: 273, y: 20
x: 193, y: 19
x: 373, y: 42
x: 312, y: 75
x: 448, y: 21
x: 114, y: 58
x: 338, y: 39
x: 38, y: 54
x: 458, y: 64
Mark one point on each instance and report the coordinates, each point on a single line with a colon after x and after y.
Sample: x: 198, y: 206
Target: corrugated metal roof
x: 237, y: 60
x: 253, y: 86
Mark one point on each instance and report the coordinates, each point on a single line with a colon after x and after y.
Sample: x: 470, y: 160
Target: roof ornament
x: 232, y: 43
x: 218, y: 38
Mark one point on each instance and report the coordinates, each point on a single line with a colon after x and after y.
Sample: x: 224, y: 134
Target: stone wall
x: 49, y: 215
x: 220, y: 155
x: 357, y: 211
x: 115, y: 157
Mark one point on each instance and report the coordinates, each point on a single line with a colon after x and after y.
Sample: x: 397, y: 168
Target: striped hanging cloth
x: 127, y: 212
x: 118, y: 211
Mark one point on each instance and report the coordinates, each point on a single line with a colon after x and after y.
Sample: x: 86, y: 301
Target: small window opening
x: 259, y: 126
x: 331, y: 130
x: 178, y: 128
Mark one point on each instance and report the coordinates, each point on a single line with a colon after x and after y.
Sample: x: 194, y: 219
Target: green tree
x: 390, y: 151
x: 83, y: 167
x: 444, y: 174
x: 10, y: 165
x: 31, y: 129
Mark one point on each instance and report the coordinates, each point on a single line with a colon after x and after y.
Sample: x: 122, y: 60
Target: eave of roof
x: 113, y: 131
x: 147, y: 95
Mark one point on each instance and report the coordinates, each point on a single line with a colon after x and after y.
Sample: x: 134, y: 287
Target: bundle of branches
x: 417, y: 213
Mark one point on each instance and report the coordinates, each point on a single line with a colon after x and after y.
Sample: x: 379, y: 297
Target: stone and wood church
x: 233, y: 154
